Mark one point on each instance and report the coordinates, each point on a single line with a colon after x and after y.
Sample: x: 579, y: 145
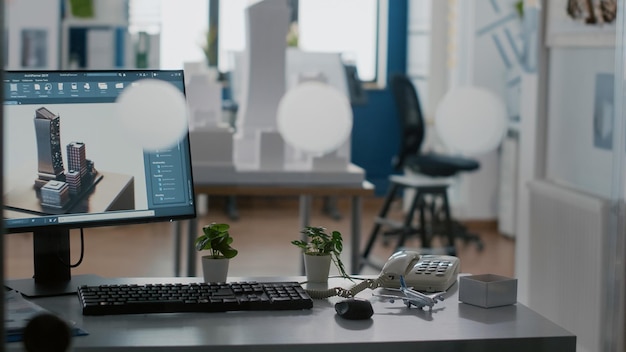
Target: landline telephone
x: 422, y: 272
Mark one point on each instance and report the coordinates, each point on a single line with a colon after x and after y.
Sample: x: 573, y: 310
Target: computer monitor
x: 69, y: 163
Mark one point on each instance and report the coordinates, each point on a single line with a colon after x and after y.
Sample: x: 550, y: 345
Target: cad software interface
x: 69, y: 160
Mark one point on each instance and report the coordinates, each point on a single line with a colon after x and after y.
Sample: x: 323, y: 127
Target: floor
x: 262, y: 234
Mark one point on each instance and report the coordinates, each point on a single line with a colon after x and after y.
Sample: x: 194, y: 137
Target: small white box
x: 487, y: 290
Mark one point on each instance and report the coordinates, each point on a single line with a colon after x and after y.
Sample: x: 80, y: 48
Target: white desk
x: 451, y: 326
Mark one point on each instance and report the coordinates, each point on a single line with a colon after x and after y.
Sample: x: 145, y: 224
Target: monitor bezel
x: 53, y: 276
x: 117, y: 221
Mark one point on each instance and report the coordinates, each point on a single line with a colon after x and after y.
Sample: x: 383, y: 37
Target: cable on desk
x: 342, y: 292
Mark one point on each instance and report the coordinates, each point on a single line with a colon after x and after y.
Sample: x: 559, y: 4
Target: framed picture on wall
x: 581, y: 23
x: 603, y: 111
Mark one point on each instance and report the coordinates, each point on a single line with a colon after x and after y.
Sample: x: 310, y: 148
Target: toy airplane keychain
x: 411, y: 297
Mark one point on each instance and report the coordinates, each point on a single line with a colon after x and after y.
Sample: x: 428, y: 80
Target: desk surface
x: 364, y: 188
x: 212, y: 174
x: 451, y: 326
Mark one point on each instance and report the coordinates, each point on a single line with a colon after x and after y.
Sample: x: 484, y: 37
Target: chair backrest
x: 410, y: 118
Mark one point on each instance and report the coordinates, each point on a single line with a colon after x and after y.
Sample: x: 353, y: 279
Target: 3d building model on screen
x: 48, y: 130
x: 58, y: 188
x: 69, y: 186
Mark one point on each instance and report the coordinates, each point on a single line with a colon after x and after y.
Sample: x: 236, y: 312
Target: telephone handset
x: 423, y: 272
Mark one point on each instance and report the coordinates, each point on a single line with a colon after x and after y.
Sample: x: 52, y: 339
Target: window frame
x: 382, y: 30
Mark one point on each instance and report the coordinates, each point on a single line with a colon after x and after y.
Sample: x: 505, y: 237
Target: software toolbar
x: 76, y: 85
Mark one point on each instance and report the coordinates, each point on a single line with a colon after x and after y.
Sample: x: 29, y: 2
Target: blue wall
x: 375, y: 134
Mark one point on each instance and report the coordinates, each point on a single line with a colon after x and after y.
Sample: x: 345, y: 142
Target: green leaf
x: 216, y: 239
x: 321, y: 243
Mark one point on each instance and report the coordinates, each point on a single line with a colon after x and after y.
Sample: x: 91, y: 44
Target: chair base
x: 429, y: 198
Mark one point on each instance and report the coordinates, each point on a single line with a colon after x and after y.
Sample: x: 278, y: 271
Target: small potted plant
x: 319, y: 249
x: 215, y: 239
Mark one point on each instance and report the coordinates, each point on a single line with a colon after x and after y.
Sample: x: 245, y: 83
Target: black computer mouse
x: 354, y: 309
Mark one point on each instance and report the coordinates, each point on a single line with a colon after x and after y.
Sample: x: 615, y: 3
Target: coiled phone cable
x: 345, y: 293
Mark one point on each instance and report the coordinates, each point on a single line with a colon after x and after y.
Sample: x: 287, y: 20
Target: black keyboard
x: 194, y: 297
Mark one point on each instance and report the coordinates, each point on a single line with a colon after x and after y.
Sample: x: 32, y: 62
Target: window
x: 183, y: 33
x: 350, y: 28
x: 231, y: 32
x: 182, y: 26
x: 347, y: 26
x: 356, y: 28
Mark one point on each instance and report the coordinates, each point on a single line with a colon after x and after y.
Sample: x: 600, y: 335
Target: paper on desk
x: 20, y: 311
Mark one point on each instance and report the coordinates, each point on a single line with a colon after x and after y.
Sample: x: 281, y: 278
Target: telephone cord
x: 342, y: 292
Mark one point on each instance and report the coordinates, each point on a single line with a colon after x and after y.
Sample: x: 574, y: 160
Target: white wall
x: 565, y: 222
x: 487, y: 54
x: 21, y: 19
x: 572, y: 158
x: 560, y: 148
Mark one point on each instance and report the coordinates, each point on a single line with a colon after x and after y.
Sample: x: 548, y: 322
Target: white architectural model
x: 265, y: 73
x: 263, y: 83
x: 211, y: 140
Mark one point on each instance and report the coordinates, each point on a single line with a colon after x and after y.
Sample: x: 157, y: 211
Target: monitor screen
x: 70, y: 162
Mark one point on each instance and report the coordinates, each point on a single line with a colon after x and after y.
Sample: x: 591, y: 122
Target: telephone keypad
x: 437, y: 267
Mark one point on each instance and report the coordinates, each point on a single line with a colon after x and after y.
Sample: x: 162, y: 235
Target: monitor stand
x: 52, y: 277
x: 30, y: 288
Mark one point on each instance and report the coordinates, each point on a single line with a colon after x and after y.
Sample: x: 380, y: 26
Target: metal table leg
x: 355, y: 226
x: 305, y: 217
x: 177, y: 247
x: 191, y: 250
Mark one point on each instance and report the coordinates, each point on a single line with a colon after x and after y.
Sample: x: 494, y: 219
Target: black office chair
x: 430, y: 197
x: 413, y: 130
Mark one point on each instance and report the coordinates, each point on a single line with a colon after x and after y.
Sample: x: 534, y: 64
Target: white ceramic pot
x: 214, y: 270
x: 317, y: 267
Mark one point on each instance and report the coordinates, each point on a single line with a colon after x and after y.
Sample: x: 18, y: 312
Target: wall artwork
x: 603, y: 111
x: 581, y: 23
x: 501, y: 27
